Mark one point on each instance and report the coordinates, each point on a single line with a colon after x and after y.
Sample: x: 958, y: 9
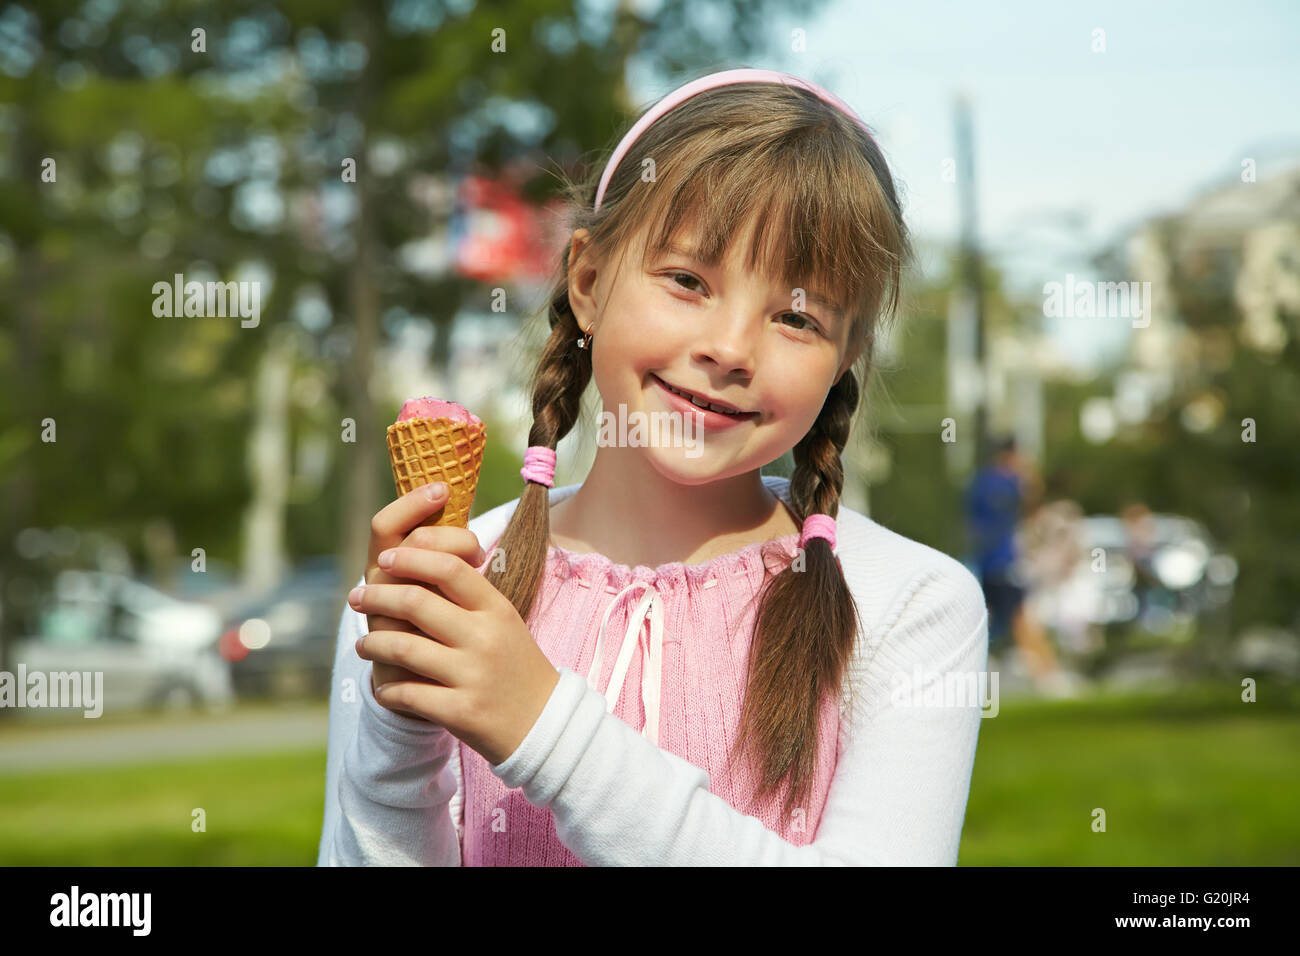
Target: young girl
x: 790, y: 702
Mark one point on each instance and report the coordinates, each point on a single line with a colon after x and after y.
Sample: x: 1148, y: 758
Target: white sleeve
x: 899, y: 792
x: 392, y: 783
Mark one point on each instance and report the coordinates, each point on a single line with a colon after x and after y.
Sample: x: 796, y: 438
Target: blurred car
x: 153, y: 649
x: 1184, y: 576
x: 219, y: 586
x: 282, y: 644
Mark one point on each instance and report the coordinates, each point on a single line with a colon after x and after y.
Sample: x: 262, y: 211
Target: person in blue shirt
x: 994, y: 500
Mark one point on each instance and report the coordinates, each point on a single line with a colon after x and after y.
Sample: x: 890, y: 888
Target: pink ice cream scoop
x: 436, y: 408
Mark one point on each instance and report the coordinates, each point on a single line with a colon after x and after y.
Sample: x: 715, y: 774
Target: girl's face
x: 715, y: 331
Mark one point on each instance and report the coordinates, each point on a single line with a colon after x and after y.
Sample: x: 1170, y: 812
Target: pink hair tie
x: 818, y: 526
x: 712, y: 81
x: 539, y: 465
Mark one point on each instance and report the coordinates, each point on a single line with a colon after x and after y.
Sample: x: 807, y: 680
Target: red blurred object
x: 231, y: 647
x: 499, y: 236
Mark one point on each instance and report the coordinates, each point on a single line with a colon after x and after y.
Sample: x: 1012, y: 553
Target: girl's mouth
x: 713, y: 415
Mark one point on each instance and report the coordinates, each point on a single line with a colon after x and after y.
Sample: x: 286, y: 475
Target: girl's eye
x: 809, y: 324
x: 685, y: 275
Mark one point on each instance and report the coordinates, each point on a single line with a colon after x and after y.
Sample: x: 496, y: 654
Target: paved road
x: 28, y: 747
x: 32, y: 745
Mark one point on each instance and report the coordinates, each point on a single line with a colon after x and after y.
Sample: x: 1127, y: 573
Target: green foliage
x: 1242, y: 491
x: 919, y: 501
x: 908, y: 402
x: 157, y: 151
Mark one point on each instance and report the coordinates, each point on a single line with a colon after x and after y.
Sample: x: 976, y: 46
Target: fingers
x: 381, y: 673
x: 417, y: 699
x: 454, y: 578
x: 458, y: 541
x: 395, y: 520
x: 377, y: 622
x: 413, y: 653
x: 431, y: 613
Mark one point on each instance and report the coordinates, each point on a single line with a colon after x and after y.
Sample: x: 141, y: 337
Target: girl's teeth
x: 696, y: 401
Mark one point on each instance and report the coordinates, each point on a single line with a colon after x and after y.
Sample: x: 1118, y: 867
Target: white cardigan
x: 909, y: 724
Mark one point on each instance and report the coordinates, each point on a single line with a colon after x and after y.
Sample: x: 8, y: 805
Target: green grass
x: 1196, y: 778
x: 262, y: 810
x: 1193, y: 779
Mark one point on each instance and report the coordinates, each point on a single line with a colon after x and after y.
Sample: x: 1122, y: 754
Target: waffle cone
x: 425, y: 450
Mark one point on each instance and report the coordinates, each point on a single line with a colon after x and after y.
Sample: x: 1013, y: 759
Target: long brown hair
x: 826, y: 211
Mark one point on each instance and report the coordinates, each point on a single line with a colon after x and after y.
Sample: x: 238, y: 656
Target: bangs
x: 810, y: 230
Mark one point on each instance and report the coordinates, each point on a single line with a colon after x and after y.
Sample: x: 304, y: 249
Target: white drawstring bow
x: 650, y: 608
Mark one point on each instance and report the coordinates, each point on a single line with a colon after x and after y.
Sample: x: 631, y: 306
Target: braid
x: 818, y: 478
x: 807, y: 621
x: 558, y: 384
x: 561, y: 377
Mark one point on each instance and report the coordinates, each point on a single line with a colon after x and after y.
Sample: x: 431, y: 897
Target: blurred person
x: 993, y: 506
x: 672, y: 294
x: 1055, y: 565
x: 999, y: 493
x: 1140, y: 548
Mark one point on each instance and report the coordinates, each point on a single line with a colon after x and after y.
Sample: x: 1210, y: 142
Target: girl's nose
x: 730, y: 345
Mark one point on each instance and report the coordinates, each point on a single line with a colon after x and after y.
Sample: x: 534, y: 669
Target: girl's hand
x: 392, y: 525
x: 482, y: 676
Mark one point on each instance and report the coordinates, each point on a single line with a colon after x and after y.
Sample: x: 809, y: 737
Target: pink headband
x: 713, y: 80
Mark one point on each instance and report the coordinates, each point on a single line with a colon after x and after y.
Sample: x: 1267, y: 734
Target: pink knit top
x: 681, y: 636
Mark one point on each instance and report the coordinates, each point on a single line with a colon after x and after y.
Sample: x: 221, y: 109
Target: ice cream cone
x: 425, y: 450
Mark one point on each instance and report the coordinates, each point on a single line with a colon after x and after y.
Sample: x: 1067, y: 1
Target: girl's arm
x: 900, y: 787
x: 392, y: 783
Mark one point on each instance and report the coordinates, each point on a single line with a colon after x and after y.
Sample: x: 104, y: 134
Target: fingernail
x: 386, y: 559
x: 355, y: 597
x: 437, y: 490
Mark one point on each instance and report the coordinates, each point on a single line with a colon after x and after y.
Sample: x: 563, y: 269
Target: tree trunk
x: 269, y: 466
x: 361, y: 488
x: 360, y: 501
x: 20, y: 509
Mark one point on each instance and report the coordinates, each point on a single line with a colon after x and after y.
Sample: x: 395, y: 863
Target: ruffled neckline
x: 594, y: 568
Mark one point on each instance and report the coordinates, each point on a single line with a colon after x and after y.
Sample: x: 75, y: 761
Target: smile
x: 702, y: 403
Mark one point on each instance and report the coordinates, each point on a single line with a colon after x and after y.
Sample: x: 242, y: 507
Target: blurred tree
x: 218, y: 141
x: 1221, y: 448
x: 908, y: 402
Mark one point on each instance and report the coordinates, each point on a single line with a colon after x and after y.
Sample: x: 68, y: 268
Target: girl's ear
x: 582, y: 280
x: 850, y: 357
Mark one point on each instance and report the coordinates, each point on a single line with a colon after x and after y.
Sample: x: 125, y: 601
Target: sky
x: 1073, y: 148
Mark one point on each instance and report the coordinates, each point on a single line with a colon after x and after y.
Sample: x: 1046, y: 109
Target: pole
x: 971, y: 266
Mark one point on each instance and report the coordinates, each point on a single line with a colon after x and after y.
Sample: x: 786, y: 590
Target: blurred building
x: 1224, y: 271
